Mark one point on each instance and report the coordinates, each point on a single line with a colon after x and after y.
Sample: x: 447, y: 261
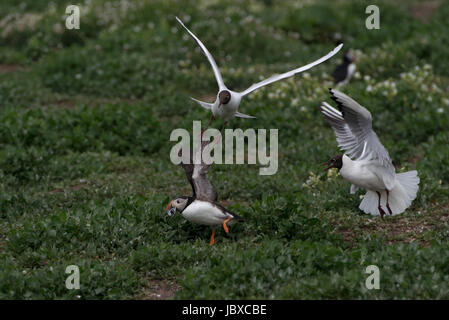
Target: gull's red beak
x: 327, y: 163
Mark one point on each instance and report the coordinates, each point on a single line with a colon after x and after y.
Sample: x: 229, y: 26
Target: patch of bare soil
x: 208, y: 98
x: 70, y: 188
x: 160, y: 290
x: 424, y: 10
x: 65, y: 103
x: 402, y: 229
x: 72, y: 102
x: 347, y: 234
x: 406, y: 232
x: 5, y: 68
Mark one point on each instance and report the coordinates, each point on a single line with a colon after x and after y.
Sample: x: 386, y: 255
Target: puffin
x: 344, y: 71
x: 227, y: 101
x: 366, y: 163
x: 201, y: 207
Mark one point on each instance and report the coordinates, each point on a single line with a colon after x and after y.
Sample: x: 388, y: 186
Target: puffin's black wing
x: 234, y: 215
x: 188, y: 168
x: 196, y: 175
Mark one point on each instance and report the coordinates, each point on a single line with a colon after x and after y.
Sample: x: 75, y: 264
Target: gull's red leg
x: 388, y: 204
x: 382, y: 212
x: 207, y: 126
x: 222, y: 127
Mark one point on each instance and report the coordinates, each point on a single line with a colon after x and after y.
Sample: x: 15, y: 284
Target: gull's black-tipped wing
x: 291, y: 73
x: 208, y: 55
x: 196, y: 175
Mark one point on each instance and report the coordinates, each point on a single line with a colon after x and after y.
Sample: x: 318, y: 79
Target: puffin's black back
x: 341, y: 72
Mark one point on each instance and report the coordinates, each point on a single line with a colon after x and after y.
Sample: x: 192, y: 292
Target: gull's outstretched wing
x: 196, y: 175
x: 346, y: 140
x: 291, y: 73
x: 242, y: 115
x: 205, y: 105
x: 352, y: 126
x: 209, y: 57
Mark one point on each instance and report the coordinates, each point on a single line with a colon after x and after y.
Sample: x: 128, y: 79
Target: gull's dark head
x: 177, y: 204
x: 334, y: 162
x: 224, y: 97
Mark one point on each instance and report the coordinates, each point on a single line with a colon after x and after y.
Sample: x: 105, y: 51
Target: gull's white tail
x: 400, y: 197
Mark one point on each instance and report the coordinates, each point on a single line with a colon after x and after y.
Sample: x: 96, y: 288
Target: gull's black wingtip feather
x: 339, y: 104
x: 333, y: 97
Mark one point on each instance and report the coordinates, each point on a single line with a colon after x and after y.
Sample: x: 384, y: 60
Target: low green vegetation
x: 85, y: 173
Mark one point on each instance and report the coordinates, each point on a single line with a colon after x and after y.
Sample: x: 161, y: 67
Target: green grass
x: 85, y: 172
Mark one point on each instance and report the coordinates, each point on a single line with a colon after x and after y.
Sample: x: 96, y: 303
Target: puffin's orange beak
x: 168, y: 207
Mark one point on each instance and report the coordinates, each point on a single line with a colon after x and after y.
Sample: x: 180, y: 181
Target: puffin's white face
x: 350, y: 56
x: 177, y: 204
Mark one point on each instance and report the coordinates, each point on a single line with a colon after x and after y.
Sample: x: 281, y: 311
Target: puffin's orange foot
x: 212, y: 237
x: 225, y: 227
